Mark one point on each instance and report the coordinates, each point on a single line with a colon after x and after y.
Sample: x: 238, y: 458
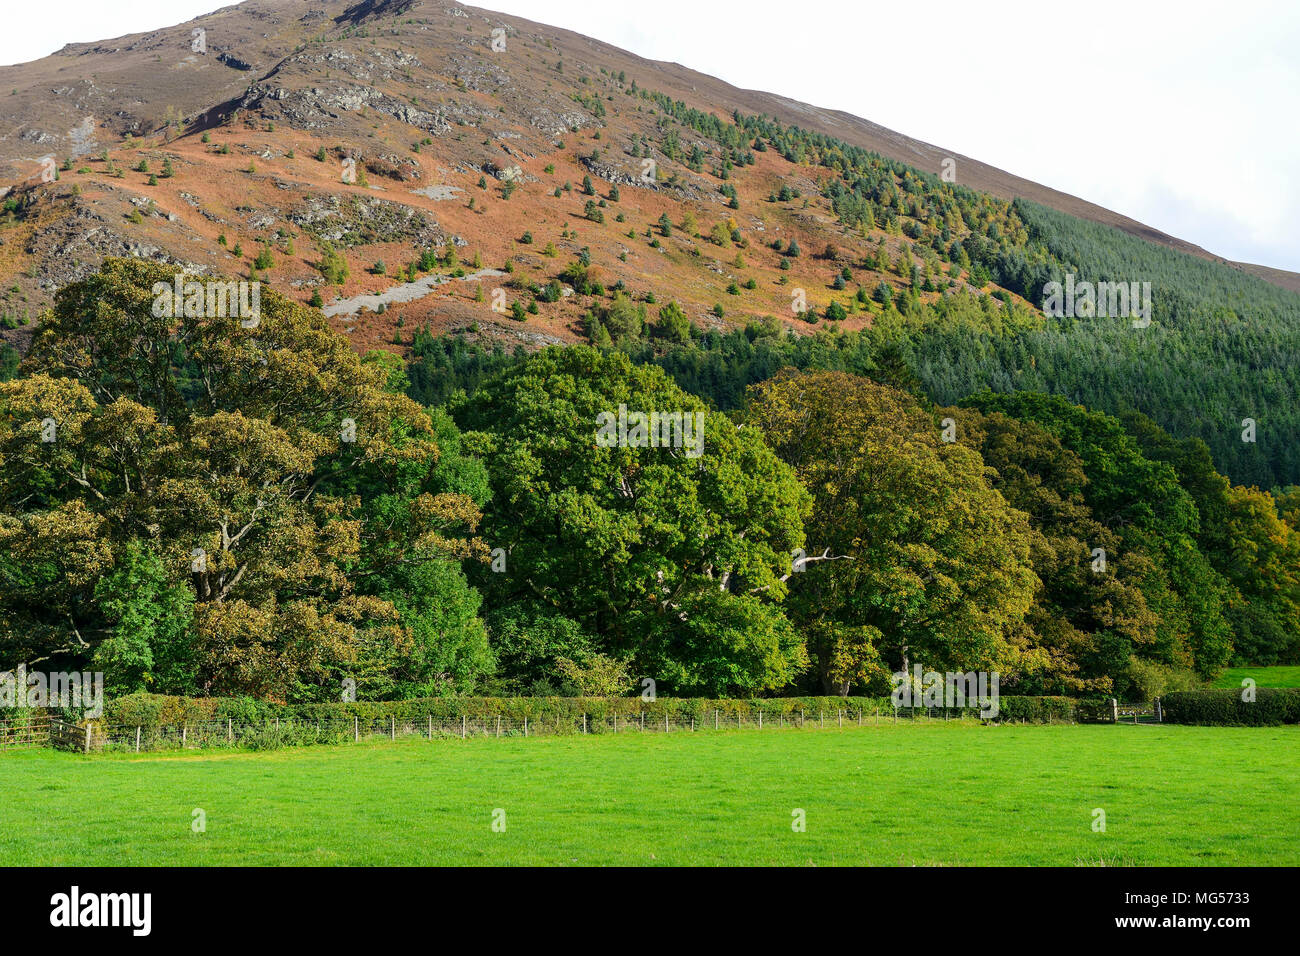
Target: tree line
x: 193, y: 506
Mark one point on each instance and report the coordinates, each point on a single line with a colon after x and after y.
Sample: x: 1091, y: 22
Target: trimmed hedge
x: 1271, y: 706
x: 152, y: 710
x: 1036, y: 710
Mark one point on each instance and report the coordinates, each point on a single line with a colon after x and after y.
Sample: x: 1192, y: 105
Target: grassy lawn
x: 932, y: 793
x: 1262, y: 676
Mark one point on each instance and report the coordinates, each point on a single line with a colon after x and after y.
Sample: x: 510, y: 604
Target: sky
x: 1181, y: 114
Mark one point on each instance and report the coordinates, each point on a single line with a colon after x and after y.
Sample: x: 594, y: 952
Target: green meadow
x: 928, y: 793
x: 1281, y: 676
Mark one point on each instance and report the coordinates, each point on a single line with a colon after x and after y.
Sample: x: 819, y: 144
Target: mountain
x: 326, y: 147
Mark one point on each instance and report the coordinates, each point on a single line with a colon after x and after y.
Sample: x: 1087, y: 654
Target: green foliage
x: 332, y: 265
x: 905, y: 535
x: 149, y: 616
x: 287, y: 494
x: 623, y: 541
x: 9, y: 359
x: 1156, y: 520
x: 442, y: 366
x: 622, y: 319
x: 596, y: 676
x: 672, y: 324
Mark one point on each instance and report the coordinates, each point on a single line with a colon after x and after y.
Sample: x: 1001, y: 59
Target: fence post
x: 137, y: 739
x: 462, y: 726
x: 498, y: 725
x: 760, y: 720
x: 1159, y: 713
x: 525, y: 726
x: 392, y: 728
x: 715, y: 718
x: 356, y: 730
x: 643, y: 721
x: 185, y: 733
x: 584, y: 723
x: 87, y: 738
x: 666, y: 730
x: 1114, y: 711
x: 802, y: 715
x: 692, y: 723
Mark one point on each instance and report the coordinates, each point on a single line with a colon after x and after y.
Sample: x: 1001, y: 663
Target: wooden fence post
x: 584, y: 723
x: 137, y: 739
x: 392, y: 728
x: 1159, y: 713
x: 498, y: 725
x: 760, y: 720
x: 525, y: 726
x: 356, y: 730
x: 715, y: 718
x: 1114, y: 711
x: 462, y: 726
x: 431, y: 726
x: 185, y: 734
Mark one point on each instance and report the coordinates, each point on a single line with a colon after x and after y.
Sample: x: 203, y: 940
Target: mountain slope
x: 412, y: 165
x: 88, y: 95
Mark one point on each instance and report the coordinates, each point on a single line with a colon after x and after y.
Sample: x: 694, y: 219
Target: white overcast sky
x: 1184, y: 114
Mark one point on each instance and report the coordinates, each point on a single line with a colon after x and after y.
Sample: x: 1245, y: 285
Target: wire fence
x: 272, y: 734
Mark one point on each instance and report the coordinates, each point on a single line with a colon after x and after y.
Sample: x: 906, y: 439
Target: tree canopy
x: 263, y: 467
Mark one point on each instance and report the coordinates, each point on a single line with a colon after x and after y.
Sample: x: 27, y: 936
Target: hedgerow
x: 1268, y: 707
x: 152, y: 710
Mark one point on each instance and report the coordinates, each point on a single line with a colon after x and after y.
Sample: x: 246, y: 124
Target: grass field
x: 1262, y: 676
x: 933, y: 793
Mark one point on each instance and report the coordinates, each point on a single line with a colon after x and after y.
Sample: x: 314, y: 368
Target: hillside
x: 408, y: 168
x: 374, y: 83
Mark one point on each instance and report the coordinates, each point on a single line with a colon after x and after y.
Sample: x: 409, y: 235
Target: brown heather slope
x: 413, y: 94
